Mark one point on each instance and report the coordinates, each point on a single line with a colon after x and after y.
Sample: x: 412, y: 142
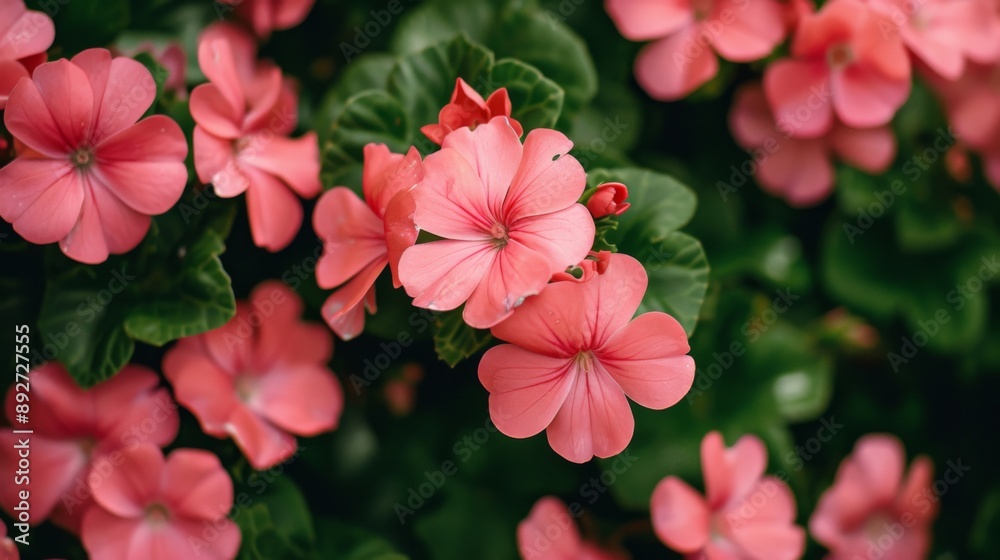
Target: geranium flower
x: 156, y: 507
x: 575, y: 355
x: 25, y: 35
x: 244, y: 116
x: 508, y: 215
x: 266, y: 16
x: 361, y: 237
x: 549, y: 533
x: 259, y: 378
x: 687, y: 35
x: 871, y: 506
x: 797, y: 169
x: 609, y: 199
x: 467, y: 108
x: 89, y: 175
x: 79, y: 434
x: 744, y: 515
x: 842, y: 63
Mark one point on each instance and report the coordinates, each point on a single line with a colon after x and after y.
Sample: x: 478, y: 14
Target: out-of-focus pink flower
x: 956, y: 161
x: 608, y: 199
x: 795, y: 10
x: 241, y: 144
x: 842, y: 64
x: 8, y: 550
x: 508, y: 215
x: 800, y: 170
x: 172, y: 58
x: 575, y: 354
x: 259, y: 378
x: 361, y: 237
x: 88, y: 175
x: 155, y: 507
x: 872, y: 507
x: 467, y: 108
x: 25, y: 35
x: 744, y: 514
x: 265, y: 16
x: 687, y: 35
x: 549, y: 533
x: 596, y: 263
x: 79, y: 436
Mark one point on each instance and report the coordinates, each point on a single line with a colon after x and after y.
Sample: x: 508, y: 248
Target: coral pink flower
x: 680, y: 60
x: 608, y: 199
x: 89, y: 175
x: 265, y: 16
x: 244, y: 116
x: 361, y: 237
x: 508, y: 215
x: 156, y: 507
x: 842, y: 64
x: 259, y: 378
x: 871, y: 508
x: 79, y: 436
x: 25, y: 35
x: 800, y: 170
x: 467, y: 108
x: 575, y: 355
x: 549, y: 533
x: 743, y: 516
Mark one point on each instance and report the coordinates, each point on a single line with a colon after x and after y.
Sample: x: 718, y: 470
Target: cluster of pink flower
x: 869, y: 512
x: 847, y: 74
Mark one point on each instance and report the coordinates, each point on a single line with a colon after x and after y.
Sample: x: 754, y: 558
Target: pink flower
x: 89, y: 175
x: 608, y: 199
x: 871, y: 506
x: 259, y: 378
x: 79, y: 436
x: 173, y: 59
x: 680, y: 60
x: 508, y: 215
x: 575, y: 355
x: 796, y: 169
x: 467, y: 108
x: 842, y: 64
x: 361, y: 237
x: 244, y: 116
x: 268, y: 15
x: 549, y: 533
x: 8, y: 550
x: 596, y: 263
x: 156, y: 507
x: 25, y: 35
x: 744, y: 515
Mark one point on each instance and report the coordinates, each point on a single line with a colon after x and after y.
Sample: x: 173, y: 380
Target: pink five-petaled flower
x: 686, y: 32
x: 259, y: 378
x: 799, y: 169
x: 870, y: 505
x: 25, y: 35
x: 842, y: 65
x: 162, y: 508
x: 265, y: 16
x: 78, y: 436
x: 744, y: 515
x: 608, y: 199
x: 508, y: 215
x: 89, y: 175
x: 244, y: 116
x: 360, y: 239
x: 549, y: 533
x: 575, y: 355
x: 467, y: 108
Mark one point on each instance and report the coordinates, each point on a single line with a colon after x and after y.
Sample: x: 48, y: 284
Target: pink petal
x: 108, y: 536
x: 139, y: 406
x: 215, y: 163
x: 870, y: 149
x: 134, y: 484
x: 11, y: 72
x: 554, y: 323
x: 25, y: 32
x: 290, y: 13
x: 595, y: 420
x: 353, y: 237
x: 549, y: 532
x: 66, y: 91
x: 548, y: 178
x: 864, y: 98
x: 750, y: 118
x: 799, y: 171
x: 681, y: 518
x: 123, y: 90
x: 263, y: 444
x: 106, y: 225
x: 750, y: 31
x: 771, y: 541
x: 24, y: 180
x: 294, y: 161
x: 442, y: 274
x: 28, y: 119
x: 393, y: 175
x: 195, y: 485
x: 563, y: 237
x: 211, y: 110
x: 344, y: 309
x: 880, y: 461
x: 281, y: 336
x: 55, y: 211
x: 303, y: 399
x: 217, y: 60
x: 200, y: 386
x: 67, y: 411
x: 275, y: 211
x: 492, y: 151
x: 799, y: 95
x: 451, y: 200
x: 400, y: 231
x: 671, y: 68
x: 58, y: 464
x: 516, y: 273
x: 642, y: 20
x: 918, y: 483
x: 730, y: 474
x: 224, y: 546
x: 526, y: 389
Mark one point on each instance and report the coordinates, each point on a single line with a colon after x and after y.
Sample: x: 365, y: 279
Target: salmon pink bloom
x: 689, y: 33
x: 79, y: 435
x: 608, y: 199
x: 260, y: 378
x: 842, y: 64
x: 872, y: 507
x: 744, y: 514
x: 508, y: 215
x: 155, y: 507
x: 265, y: 16
x: 361, y: 237
x: 575, y: 355
x: 244, y: 116
x: 467, y: 108
x: 800, y: 170
x: 549, y: 533
x: 89, y: 175
x: 25, y: 35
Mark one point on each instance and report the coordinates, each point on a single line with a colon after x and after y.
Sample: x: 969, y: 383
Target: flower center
x: 702, y: 9
x: 877, y: 525
x: 839, y: 56
x: 585, y: 361
x: 83, y: 157
x: 157, y: 515
x: 242, y: 144
x: 499, y: 234
x: 87, y: 445
x: 246, y: 387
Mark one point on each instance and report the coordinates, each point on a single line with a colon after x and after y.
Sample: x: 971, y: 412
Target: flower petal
x: 666, y: 69
x: 451, y: 200
x: 563, y: 237
x: 344, y: 309
x: 864, y: 98
x: 642, y: 20
x: 200, y: 386
x: 754, y: 30
x: 492, y: 151
x: 262, y: 443
x: 594, y: 421
x: 549, y: 532
x: 294, y: 161
x: 66, y: 91
x: 275, y: 212
x: 516, y: 273
x: 195, y: 485
x: 353, y: 236
x: 55, y: 211
x: 134, y: 484
x: 303, y: 399
x: 526, y: 389
x: 731, y: 473
x: 123, y: 90
x: 871, y: 149
x: 442, y: 274
x: 799, y: 95
x: 681, y: 518
x: 547, y: 180
x: 28, y: 119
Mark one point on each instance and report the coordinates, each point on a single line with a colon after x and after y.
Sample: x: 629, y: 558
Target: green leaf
x: 368, y: 72
x: 678, y: 278
x: 346, y: 542
x: 370, y: 116
x: 660, y: 205
x: 454, y: 340
x: 801, y: 374
x: 536, y: 100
